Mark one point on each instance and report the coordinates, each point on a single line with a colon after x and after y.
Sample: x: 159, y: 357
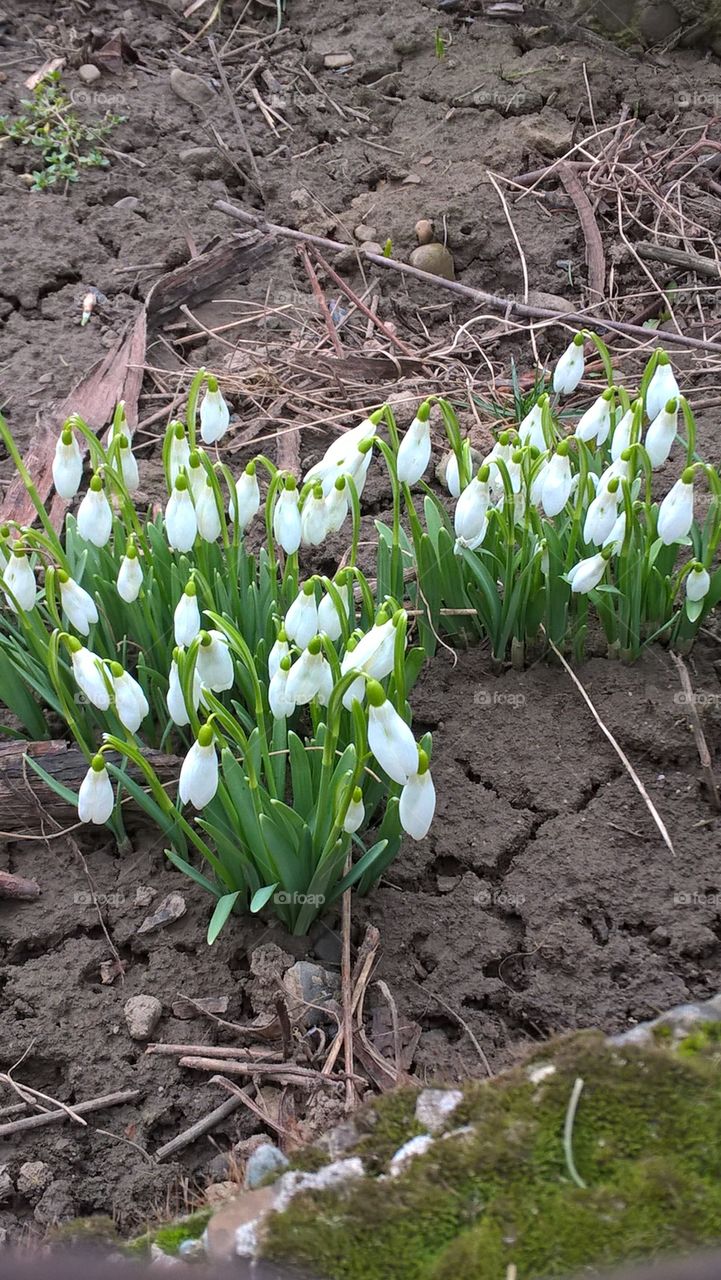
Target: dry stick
x: 247, y: 1101
x: 31, y: 1096
x: 217, y: 1050
x: 392, y: 337
x: 505, y: 305
x: 320, y: 298
x: 704, y: 754
x: 236, y: 116
x: 677, y: 258
x: 619, y: 751
x: 285, y: 1072
x: 17, y: 887
x: 397, y: 1053
x: 358, y: 992
x: 591, y: 234
x: 199, y: 1129
x: 82, y: 1108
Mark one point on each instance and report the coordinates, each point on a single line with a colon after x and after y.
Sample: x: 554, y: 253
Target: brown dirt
x: 544, y: 898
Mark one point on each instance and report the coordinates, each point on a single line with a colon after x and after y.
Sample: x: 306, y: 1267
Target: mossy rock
x: 169, y: 1236
x: 496, y: 1188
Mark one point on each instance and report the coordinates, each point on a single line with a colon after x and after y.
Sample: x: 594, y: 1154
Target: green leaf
x: 261, y: 896
x: 220, y: 916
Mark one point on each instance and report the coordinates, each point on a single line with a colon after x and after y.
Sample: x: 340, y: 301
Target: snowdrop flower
x: 329, y: 620
x: 286, y: 518
x: 246, y: 503
x: 196, y: 474
x: 414, y: 451
x: 67, y: 465
x: 310, y: 677
x: 389, y: 737
x: 534, y: 496
x: 355, y: 813
x: 95, y: 519
x: 675, y: 515
x: 214, y: 413
x: 119, y: 425
x: 661, y: 434
x: 181, y: 525
x: 175, y: 701
x: 128, y: 466
x: 79, y: 607
x: 214, y: 662
x: 198, y: 781
x: 616, y: 537
x: 131, y: 703
x: 374, y: 655
x: 602, y: 514
x: 569, y: 370
x: 587, y: 574
x: 20, y: 581
x: 336, y: 506
x: 595, y: 424
x: 470, y: 517
x: 186, y: 619
x: 530, y: 432
x: 662, y: 387
x: 453, y: 478
x: 207, y: 514
x: 617, y: 470
x: 280, y: 650
x: 622, y: 434
x: 349, y: 454
x: 178, y: 453
x: 301, y: 620
x: 281, y: 705
x: 89, y: 674
x: 313, y: 519
x: 418, y: 801
x: 95, y: 797
x: 130, y: 575
x: 555, y: 488
x: 698, y: 583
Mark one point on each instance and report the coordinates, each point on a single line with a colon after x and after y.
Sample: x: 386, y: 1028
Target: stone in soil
x: 435, y: 258
x: 55, y: 1204
x: 142, y: 1014
x: 88, y: 73
x: 336, y: 61
x: 310, y: 986
x: 7, y: 1189
x: 191, y: 88
x: 264, y: 1162
x: 33, y: 1178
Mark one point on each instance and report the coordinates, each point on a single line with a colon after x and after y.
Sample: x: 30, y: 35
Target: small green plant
x: 441, y: 44
x: 64, y: 143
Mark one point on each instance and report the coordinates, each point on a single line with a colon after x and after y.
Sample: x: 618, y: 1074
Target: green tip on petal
x: 579, y: 340
x: 315, y: 646
x: 116, y: 670
x: 286, y: 663
x: 309, y: 587
x: 376, y: 417
x: 662, y: 359
x: 562, y: 449
x: 626, y: 455
x: 190, y: 589
x: 282, y: 637
x: 131, y: 550
x: 63, y: 577
x: 608, y: 393
x: 194, y: 459
x: 423, y: 761
x: 205, y: 639
x: 398, y: 616
x: 340, y: 484
x: 357, y: 795
x: 687, y: 475
x: 518, y: 456
x: 366, y: 445
x: 72, y: 642
x: 212, y: 383
x: 318, y: 492
x: 613, y: 484
x: 205, y: 735
x: 698, y: 568
x: 67, y: 436
x: 181, y: 483
x: 671, y: 405
x: 96, y: 484
x: 375, y: 693
x: 179, y: 431
x: 97, y: 764
x: 484, y: 473
x: 381, y: 618
x: 504, y: 438
x: 290, y: 484
x: 251, y: 468
x: 424, y: 411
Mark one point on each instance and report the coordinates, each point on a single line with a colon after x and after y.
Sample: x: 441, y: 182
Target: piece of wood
x: 82, y: 1108
x: 595, y: 258
x: 198, y: 280
x: 704, y: 754
x: 199, y: 1129
x: 18, y: 888
x: 677, y: 258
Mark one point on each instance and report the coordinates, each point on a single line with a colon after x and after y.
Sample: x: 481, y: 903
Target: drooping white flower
x: 20, y: 581
x: 90, y: 675
x: 286, y: 518
x: 616, y: 536
x: 314, y: 518
x: 198, y: 780
x: 197, y: 474
x: 178, y: 452
x: 374, y: 654
x: 662, y: 433
x: 207, y: 514
x: 587, y: 574
x: 470, y: 519
x: 279, y: 651
x: 175, y: 701
x: 418, y: 801
x: 301, y: 620
x: 246, y: 503
x: 214, y: 413
x: 675, y: 515
x: 186, y: 619
x: 662, y: 387
x: 530, y: 431
x: 329, y: 620
x: 602, y: 514
x: 128, y: 466
x: 281, y: 704
x: 698, y: 583
x: 414, y: 451
x: 555, y: 487
x: 619, y: 470
x: 310, y: 677
x: 214, y: 663
x: 337, y: 506
x: 130, y: 575
x: 67, y: 465
x: 453, y: 476
x: 389, y: 737
x: 595, y: 424
x: 181, y: 525
x: 569, y: 370
x: 95, y: 797
x: 622, y: 435
x: 344, y: 456
x: 355, y: 813
x: 77, y: 605
x: 95, y: 518
x: 131, y: 703
x: 119, y: 425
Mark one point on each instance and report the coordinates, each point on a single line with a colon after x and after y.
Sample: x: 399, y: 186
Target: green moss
x: 705, y: 1039
x: 170, y: 1235
x: 646, y: 1141
x: 96, y: 1230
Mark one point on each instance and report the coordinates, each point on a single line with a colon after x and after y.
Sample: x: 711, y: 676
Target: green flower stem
x: 192, y: 406
x: 33, y: 494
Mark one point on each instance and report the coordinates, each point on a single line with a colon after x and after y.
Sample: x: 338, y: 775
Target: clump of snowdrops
x: 555, y: 527
x: 288, y: 698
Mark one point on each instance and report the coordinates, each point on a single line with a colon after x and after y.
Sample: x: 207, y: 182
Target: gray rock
x: 142, y: 1014
x: 436, y: 258
x: 159, y: 1258
x: 681, y: 1021
x: 336, y: 61
x: 127, y: 202
x: 219, y: 1167
x: 309, y: 985
x: 207, y: 162
x: 6, y: 1184
x: 371, y: 246
x: 88, y: 73
x: 191, y: 1249
x: 364, y: 232
x: 191, y: 88
x: 296, y: 1181
x: 656, y: 22
x: 549, y: 132
x: 414, y: 1147
x: 55, y: 1205
x: 34, y: 1177
x: 551, y: 301
x: 339, y: 1139
x: 263, y: 1162
x: 434, y: 1106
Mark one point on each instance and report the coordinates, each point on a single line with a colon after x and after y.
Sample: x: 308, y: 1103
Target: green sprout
x: 65, y: 144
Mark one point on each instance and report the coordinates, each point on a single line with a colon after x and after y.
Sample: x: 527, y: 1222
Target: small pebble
x: 33, y: 1178
x: 88, y: 73
x: 434, y: 258
x: 424, y: 231
x: 220, y: 1192
x: 127, y: 202
x: 263, y: 1162
x: 434, y: 1106
x: 364, y: 232
x: 336, y: 61
x: 191, y: 88
x: 142, y: 1014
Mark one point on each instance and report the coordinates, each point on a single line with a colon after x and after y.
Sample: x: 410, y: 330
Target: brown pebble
x: 424, y: 231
